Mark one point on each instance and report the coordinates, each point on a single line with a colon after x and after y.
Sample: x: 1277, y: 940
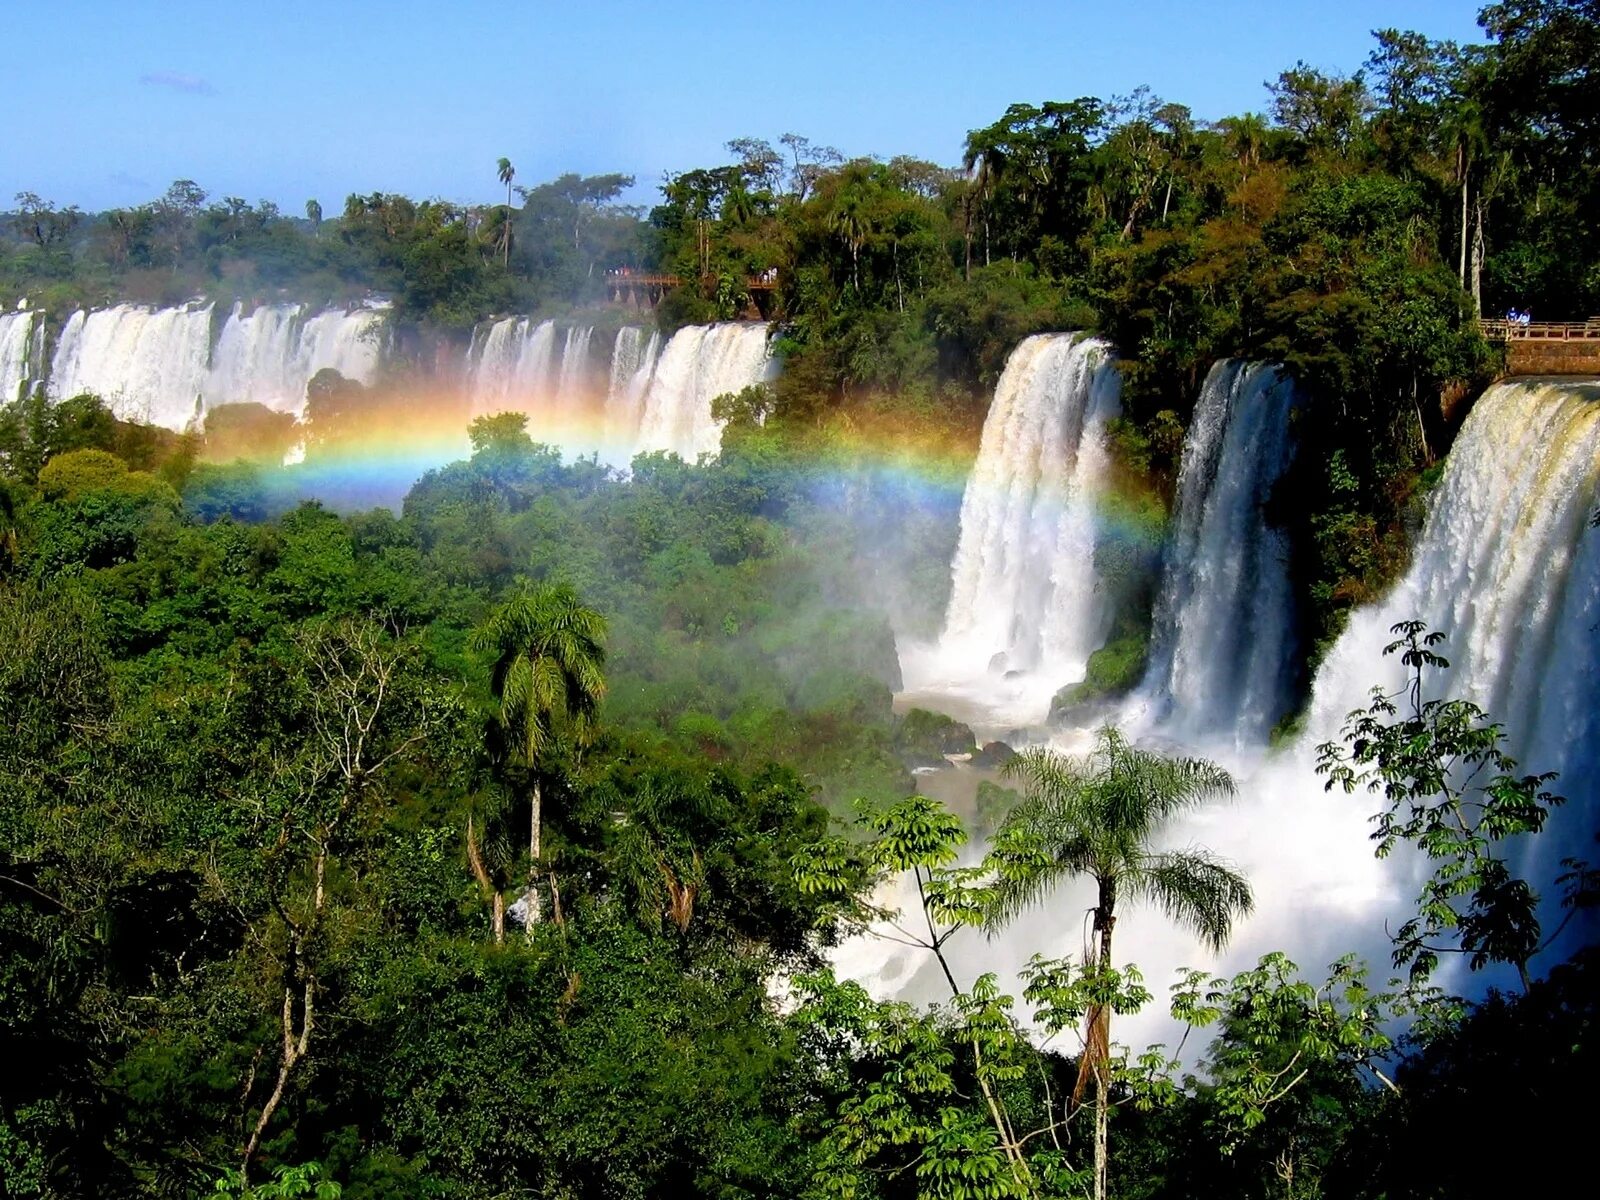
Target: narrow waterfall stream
x: 1222, y: 642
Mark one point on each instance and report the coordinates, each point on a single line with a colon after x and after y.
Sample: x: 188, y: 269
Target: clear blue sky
x: 106, y: 101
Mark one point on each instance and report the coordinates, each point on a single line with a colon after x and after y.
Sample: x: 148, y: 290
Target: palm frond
x: 1195, y: 888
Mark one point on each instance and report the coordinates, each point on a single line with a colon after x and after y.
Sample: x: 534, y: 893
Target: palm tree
x: 506, y: 173
x: 548, y: 650
x: 314, y: 214
x: 1098, y: 817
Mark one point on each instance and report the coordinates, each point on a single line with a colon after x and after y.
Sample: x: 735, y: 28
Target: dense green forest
x: 269, y: 790
x: 492, y: 846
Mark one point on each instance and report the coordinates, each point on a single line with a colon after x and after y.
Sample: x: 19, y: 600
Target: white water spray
x: 1026, y: 606
x: 511, y: 367
x: 700, y: 363
x: 1222, y: 641
x: 147, y: 364
x: 269, y: 355
x: 159, y: 366
x: 633, y: 362
x: 1508, y: 567
x: 16, y: 353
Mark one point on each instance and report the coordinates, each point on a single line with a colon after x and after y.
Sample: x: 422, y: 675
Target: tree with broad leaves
x: 1450, y: 790
x: 1098, y: 818
x: 547, y: 652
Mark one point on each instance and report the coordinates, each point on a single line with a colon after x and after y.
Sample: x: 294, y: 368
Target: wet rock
x: 993, y: 756
x: 925, y: 739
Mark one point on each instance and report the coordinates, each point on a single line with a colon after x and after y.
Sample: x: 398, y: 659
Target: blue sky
x: 107, y: 101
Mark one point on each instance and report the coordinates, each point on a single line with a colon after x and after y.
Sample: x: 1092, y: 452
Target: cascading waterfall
x: 1025, y: 597
x: 16, y: 353
x: 511, y: 368
x: 159, y: 366
x: 633, y: 361
x: 1506, y: 564
x: 267, y: 356
x: 1508, y: 567
x: 572, y: 384
x: 1222, y: 642
x: 147, y: 364
x: 700, y: 363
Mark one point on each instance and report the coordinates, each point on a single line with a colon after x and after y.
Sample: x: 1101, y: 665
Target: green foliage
x: 1113, y: 670
x: 1451, y: 791
x: 302, y: 1182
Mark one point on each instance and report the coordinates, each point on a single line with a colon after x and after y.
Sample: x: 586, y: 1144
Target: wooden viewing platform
x: 1546, y: 331
x: 1547, y: 347
x: 642, y: 289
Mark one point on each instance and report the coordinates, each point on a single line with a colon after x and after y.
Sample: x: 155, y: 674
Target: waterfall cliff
x: 1024, y: 594
x: 17, y: 346
x: 1508, y: 567
x: 159, y: 365
x: 700, y: 363
x: 633, y: 362
x: 1222, y: 641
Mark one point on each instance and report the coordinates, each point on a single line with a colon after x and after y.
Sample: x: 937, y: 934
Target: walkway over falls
x: 1548, y: 347
x: 644, y: 289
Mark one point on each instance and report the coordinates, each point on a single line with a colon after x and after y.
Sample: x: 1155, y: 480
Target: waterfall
x: 16, y: 353
x: 633, y: 361
x: 572, y: 384
x: 147, y: 364
x: 1508, y: 567
x: 268, y: 356
x: 511, y: 368
x: 159, y: 366
x: 700, y: 363
x: 1223, y: 639
x: 1024, y: 593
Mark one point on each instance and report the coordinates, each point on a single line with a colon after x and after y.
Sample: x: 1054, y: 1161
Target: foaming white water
x: 1222, y: 640
x: 572, y: 384
x: 147, y: 364
x: 159, y: 366
x: 1508, y: 566
x: 16, y: 353
x: 511, y: 366
x: 1509, y: 569
x: 1319, y: 894
x: 633, y: 362
x: 700, y: 363
x: 1026, y: 606
x: 268, y: 355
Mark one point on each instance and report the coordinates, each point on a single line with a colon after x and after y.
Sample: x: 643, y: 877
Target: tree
x: 1097, y: 818
x: 506, y: 173
x: 1451, y: 790
x: 548, y: 652
x: 314, y: 215
x: 362, y: 715
x: 1326, y: 111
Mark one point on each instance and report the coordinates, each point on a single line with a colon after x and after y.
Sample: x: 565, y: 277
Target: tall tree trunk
x: 496, y: 898
x: 1097, y: 1045
x: 1461, y: 170
x: 1102, y: 1121
x: 1477, y: 256
x: 535, y: 829
x: 966, y: 237
x: 296, y: 1035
